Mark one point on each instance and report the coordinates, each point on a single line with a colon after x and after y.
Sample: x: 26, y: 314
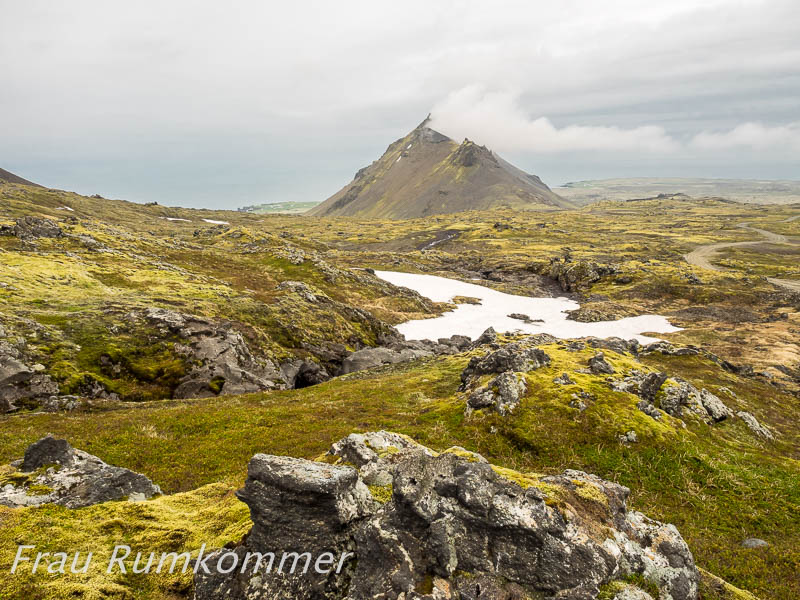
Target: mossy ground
x: 68, y: 298
x: 177, y: 523
x: 717, y: 484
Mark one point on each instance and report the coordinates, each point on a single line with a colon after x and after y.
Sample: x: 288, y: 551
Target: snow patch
x: 213, y: 222
x: 472, y: 319
x: 66, y: 208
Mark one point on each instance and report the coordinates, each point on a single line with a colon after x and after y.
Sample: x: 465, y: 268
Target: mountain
x: 11, y: 178
x: 427, y: 173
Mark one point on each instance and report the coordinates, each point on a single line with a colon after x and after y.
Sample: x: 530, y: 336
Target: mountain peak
x: 425, y: 172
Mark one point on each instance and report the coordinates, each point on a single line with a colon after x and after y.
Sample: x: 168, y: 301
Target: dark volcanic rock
x: 223, y: 362
x: 31, y: 228
x: 600, y: 366
x: 616, y: 344
x: 517, y: 357
x: 74, y: 478
x: 574, y: 276
x: 502, y: 393
x: 47, y: 451
x: 310, y: 373
x: 368, y: 358
x: 487, y: 337
x: 21, y: 382
x: 453, y: 528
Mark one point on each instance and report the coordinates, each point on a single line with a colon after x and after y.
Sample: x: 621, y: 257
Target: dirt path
x: 702, y: 256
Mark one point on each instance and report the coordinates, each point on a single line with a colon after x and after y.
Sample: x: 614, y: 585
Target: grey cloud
x: 208, y: 104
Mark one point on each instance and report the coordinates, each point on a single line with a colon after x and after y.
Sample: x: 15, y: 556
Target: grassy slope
x: 718, y: 485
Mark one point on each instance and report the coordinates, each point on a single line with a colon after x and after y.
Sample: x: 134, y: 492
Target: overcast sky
x: 216, y: 104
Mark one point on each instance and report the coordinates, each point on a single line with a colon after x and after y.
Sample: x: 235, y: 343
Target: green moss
x: 381, y: 493
x: 210, y: 515
x: 216, y: 384
x: 609, y: 590
x: 38, y: 490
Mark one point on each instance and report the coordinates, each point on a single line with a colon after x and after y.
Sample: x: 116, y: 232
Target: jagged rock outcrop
x: 21, y: 382
x: 368, y: 358
x: 591, y: 315
x: 563, y: 379
x: 502, y: 393
x: 517, y: 357
x: 223, y: 361
x: 600, y: 366
x: 402, y: 351
x: 30, y: 228
x: 715, y: 407
x: 671, y: 395
x: 577, y: 275
x: 452, y: 527
x: 643, y: 384
x: 54, y: 472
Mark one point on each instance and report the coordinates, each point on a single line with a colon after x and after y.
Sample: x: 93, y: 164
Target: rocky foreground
x: 428, y: 525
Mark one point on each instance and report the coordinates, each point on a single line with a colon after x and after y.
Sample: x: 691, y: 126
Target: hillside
x: 11, y: 178
x: 426, y: 173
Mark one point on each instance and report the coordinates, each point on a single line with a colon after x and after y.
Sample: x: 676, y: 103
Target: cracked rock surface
x: 453, y: 527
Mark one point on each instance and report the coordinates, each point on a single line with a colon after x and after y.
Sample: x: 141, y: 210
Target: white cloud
x: 497, y: 120
x: 751, y: 135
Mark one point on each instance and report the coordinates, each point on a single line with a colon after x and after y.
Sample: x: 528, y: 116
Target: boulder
x: 591, y: 315
x: 57, y: 473
x: 503, y: 393
x: 600, y: 366
x: 756, y: 427
x: 715, y: 407
x: 60, y: 403
x: 563, y: 379
x: 462, y: 342
x: 452, y: 527
x: 296, y: 506
x: 20, y: 382
x: 677, y: 394
x: 517, y: 357
x: 489, y: 336
x: 369, y: 358
x: 616, y: 344
x: 648, y: 409
x: 310, y: 373
x: 663, y: 347
x: 575, y: 276
x: 645, y: 384
x: 47, y: 451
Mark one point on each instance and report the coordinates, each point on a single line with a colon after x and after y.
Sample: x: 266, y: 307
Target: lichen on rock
x: 453, y: 526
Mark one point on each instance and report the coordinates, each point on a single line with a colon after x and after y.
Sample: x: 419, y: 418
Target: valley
x: 168, y: 344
